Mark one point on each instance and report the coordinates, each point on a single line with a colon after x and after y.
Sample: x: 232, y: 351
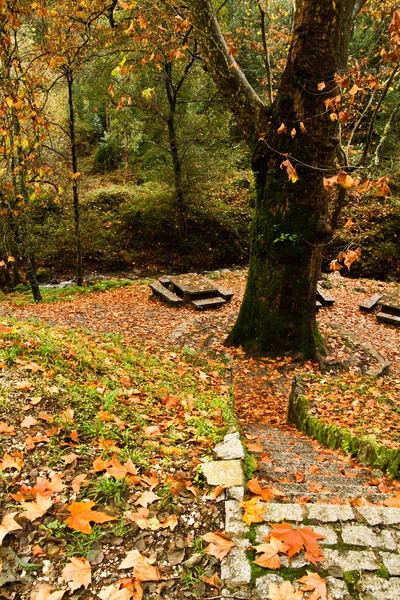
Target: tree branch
x: 357, y: 7
x: 243, y: 101
x: 266, y: 53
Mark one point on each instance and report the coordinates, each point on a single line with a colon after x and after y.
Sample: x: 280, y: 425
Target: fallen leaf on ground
x: 36, y: 509
x: 219, y: 544
x: 393, y: 501
x: 313, y: 582
x: 77, y: 573
x: 139, y: 517
x: 253, y: 511
x: 297, y: 539
x: 265, y: 493
x: 113, y: 592
x: 269, y: 558
x: 284, y: 592
x: 11, y: 462
x: 77, y: 482
x: 82, y: 514
x: 142, y: 566
x: 43, y: 592
x: 147, y: 498
x: 8, y: 525
x: 7, y: 429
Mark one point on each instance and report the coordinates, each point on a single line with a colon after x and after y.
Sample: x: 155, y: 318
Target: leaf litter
x: 254, y: 377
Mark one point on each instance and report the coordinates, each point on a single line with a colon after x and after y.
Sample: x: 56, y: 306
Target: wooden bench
x: 165, y: 294
x: 208, y: 303
x: 325, y: 297
x: 371, y: 303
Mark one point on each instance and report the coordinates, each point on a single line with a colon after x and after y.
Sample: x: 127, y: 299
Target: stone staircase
x: 308, y: 472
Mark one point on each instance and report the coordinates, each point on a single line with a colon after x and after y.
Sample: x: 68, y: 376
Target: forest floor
x: 84, y: 441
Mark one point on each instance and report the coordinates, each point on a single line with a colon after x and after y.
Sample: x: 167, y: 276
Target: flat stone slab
x: 276, y: 513
x: 337, y: 589
x: 391, y: 562
x: 330, y: 513
x: 350, y: 560
x: 231, y: 448
x: 234, y: 524
x: 235, y: 568
x: 223, y: 472
x: 378, y: 515
x: 372, y: 587
x: 361, y: 535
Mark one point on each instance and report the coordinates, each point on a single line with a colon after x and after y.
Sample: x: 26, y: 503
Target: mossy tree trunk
x: 291, y: 223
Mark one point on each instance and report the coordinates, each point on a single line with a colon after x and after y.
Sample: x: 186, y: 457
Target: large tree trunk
x: 291, y: 221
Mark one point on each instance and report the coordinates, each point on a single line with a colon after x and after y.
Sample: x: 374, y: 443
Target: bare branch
x: 243, y: 101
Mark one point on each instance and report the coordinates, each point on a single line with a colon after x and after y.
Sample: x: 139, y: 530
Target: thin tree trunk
x: 75, y: 195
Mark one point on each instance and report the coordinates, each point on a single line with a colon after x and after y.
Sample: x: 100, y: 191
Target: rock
x: 276, y: 513
x: 234, y: 524
x: 235, y: 568
x: 235, y: 492
x: 361, y: 535
x: 263, y: 583
x: 350, y: 560
x: 391, y: 562
x: 231, y: 448
x: 224, y: 472
x: 192, y: 561
x: 337, y: 589
x: 372, y: 587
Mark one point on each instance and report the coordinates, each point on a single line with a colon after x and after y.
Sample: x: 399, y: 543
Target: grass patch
x: 22, y: 294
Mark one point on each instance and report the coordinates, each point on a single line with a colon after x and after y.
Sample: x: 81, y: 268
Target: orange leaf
x: 82, y: 514
x: 270, y: 554
x: 297, y: 539
x: 393, y: 501
x: 140, y: 518
x: 219, y: 544
x: 265, y: 493
x: 7, y: 429
x: 43, y: 592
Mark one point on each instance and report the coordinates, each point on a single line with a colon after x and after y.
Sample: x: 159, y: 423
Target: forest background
x: 118, y: 152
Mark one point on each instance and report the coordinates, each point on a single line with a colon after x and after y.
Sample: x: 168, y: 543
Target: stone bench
x: 371, y: 303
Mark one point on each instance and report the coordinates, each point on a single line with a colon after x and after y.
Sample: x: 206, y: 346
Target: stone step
x: 225, y: 293
x: 390, y: 319
x: 208, y: 303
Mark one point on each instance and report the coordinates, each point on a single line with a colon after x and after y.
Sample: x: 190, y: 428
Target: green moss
x: 383, y: 572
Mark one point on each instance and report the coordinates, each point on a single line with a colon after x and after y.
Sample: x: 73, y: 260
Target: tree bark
x: 75, y: 195
x: 291, y: 221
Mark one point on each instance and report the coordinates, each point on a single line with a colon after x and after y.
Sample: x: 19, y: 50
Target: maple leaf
x: 284, y: 592
x: 270, y: 554
x: 265, y: 493
x: 77, y: 573
x: 11, y: 462
x: 147, y: 498
x: 8, y: 525
x: 43, y: 592
x: 29, y: 422
x: 7, y: 429
x: 113, y: 592
x: 100, y: 465
x: 134, y: 586
x: 142, y: 566
x: 219, y: 544
x: 253, y: 511
x: 77, y: 482
x: 313, y: 582
x: 297, y: 539
x: 82, y: 514
x: 35, y: 510
x: 139, y: 517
